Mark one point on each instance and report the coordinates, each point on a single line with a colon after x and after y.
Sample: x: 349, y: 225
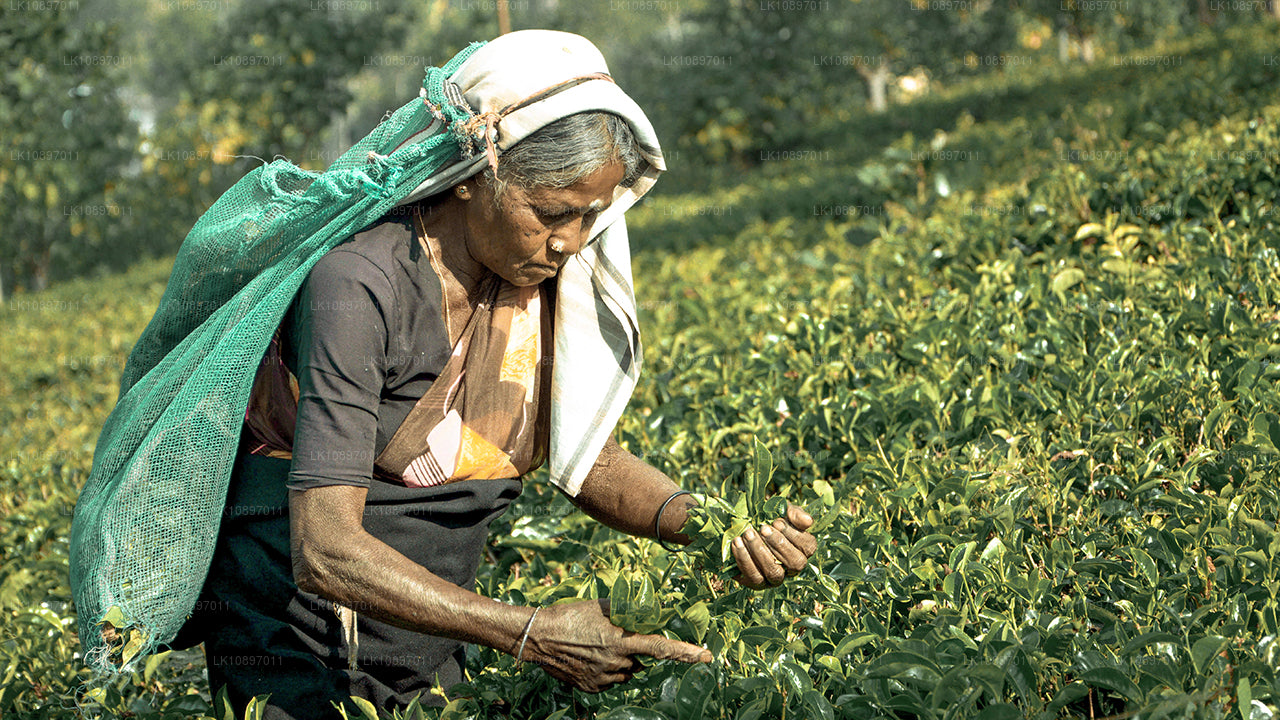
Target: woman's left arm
x: 625, y: 493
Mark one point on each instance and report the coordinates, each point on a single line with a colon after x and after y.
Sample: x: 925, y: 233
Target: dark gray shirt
x: 365, y: 337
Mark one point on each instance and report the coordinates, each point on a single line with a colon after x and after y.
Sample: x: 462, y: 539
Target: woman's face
x: 528, y: 235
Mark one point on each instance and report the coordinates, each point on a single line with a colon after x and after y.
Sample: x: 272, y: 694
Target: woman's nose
x: 568, y: 240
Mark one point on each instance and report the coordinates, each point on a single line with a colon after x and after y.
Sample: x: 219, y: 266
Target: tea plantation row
x: 1043, y: 399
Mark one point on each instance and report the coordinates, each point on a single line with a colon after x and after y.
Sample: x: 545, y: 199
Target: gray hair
x: 567, y: 150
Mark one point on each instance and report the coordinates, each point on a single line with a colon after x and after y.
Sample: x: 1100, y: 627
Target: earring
x: 463, y: 192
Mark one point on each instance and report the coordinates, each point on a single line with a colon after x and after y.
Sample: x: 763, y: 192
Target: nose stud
x: 557, y: 246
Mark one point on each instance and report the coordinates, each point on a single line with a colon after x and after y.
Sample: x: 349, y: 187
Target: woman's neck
x: 442, y: 230
x: 446, y: 237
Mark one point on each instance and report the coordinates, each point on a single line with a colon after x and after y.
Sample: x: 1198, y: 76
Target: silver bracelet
x: 657, y: 521
x: 525, y: 637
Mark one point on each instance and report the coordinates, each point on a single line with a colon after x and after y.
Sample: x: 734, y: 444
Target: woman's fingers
x: 778, y: 551
x: 657, y: 646
x: 748, y: 574
x: 578, y: 645
x: 767, y: 565
x: 593, y: 683
x: 798, y: 518
x: 803, y: 541
x: 604, y: 682
x: 793, y: 559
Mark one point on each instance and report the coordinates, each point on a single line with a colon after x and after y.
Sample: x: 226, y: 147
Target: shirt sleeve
x: 339, y: 330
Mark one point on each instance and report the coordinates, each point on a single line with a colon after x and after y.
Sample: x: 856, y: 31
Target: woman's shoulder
x: 380, y: 245
x: 384, y: 261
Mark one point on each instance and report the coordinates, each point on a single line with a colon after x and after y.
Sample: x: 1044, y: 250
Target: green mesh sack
x: 147, y: 520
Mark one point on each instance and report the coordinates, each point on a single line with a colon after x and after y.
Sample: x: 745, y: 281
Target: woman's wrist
x: 671, y: 517
x: 480, y: 620
x: 524, y: 638
x: 516, y: 625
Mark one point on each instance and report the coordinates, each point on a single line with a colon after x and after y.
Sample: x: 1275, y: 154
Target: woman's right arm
x: 334, y: 557
x: 574, y: 642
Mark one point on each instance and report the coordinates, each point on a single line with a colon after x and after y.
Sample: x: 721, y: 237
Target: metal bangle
x: 657, y: 521
x: 525, y: 637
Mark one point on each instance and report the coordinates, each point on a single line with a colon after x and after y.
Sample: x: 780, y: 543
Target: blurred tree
x: 277, y: 71
x: 738, y: 77
x: 208, y: 81
x: 1082, y: 25
x: 745, y: 78
x: 625, y: 32
x: 176, y: 42
x: 894, y: 36
x: 386, y: 81
x: 504, y: 17
x: 1080, y: 22
x: 70, y: 141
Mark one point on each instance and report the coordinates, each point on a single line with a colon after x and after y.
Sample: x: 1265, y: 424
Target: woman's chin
x: 531, y: 275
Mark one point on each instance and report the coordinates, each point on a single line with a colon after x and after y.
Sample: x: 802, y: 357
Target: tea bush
x: 1036, y: 405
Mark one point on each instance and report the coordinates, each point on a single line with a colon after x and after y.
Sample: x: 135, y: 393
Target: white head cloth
x: 597, y: 335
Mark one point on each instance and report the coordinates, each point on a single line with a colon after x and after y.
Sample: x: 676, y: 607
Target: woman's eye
x: 553, y: 217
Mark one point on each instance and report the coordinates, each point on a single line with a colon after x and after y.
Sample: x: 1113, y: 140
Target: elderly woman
x: 427, y: 364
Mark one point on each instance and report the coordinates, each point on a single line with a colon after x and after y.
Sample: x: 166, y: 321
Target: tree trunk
x: 1064, y: 46
x: 504, y: 18
x: 877, y: 85
x: 40, y: 271
x: 675, y: 29
x: 1204, y: 15
x: 1086, y: 49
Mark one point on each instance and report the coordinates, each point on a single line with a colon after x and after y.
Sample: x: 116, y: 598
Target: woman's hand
x: 776, y: 551
x: 576, y: 644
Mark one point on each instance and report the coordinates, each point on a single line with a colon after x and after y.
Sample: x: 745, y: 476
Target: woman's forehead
x: 592, y: 193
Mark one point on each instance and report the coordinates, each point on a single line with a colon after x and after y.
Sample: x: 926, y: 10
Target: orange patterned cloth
x: 492, y: 433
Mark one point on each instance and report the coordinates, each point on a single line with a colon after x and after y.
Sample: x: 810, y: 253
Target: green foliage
x: 715, y: 523
x: 1126, y: 26
x: 1041, y: 400
x: 1043, y: 404
x: 214, y: 85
